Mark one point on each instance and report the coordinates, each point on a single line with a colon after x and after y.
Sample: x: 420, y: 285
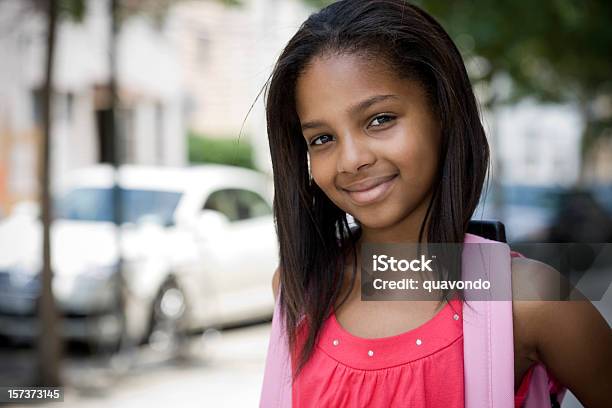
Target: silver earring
x: 308, y: 165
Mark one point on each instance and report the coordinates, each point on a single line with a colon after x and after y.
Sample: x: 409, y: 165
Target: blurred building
x: 227, y: 54
x: 539, y: 145
x: 151, y: 90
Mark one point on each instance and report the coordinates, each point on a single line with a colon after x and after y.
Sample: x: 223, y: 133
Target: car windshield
x: 96, y: 204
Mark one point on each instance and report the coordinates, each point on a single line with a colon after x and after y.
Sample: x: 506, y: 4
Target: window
x: 238, y: 204
x: 251, y: 205
x: 37, y: 105
x: 96, y: 204
x: 223, y: 201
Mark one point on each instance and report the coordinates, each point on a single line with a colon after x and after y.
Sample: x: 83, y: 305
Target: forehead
x: 337, y: 81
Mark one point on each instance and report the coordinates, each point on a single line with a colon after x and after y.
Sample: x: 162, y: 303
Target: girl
x: 371, y: 114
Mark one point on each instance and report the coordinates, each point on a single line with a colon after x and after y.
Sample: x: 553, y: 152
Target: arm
x: 570, y: 338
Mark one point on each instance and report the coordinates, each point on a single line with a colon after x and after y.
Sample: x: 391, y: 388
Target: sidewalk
x: 226, y: 370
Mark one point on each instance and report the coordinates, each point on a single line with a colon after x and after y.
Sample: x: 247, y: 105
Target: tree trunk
x: 117, y: 143
x: 49, y: 343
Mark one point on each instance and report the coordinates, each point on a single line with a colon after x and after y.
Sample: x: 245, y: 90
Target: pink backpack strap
x: 276, y: 389
x: 488, y: 337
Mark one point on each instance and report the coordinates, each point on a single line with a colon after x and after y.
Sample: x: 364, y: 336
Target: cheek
x: 416, y: 154
x: 322, y: 174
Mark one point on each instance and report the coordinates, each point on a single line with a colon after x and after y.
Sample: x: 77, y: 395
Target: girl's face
x: 372, y: 142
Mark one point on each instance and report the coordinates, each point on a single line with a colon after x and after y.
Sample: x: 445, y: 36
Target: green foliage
x: 231, y: 151
x: 72, y: 9
x: 232, y: 2
x: 318, y: 3
x: 555, y: 50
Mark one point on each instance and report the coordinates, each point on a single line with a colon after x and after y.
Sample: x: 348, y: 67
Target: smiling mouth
x: 372, y: 194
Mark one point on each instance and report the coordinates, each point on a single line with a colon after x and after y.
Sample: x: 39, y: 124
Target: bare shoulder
x: 570, y: 337
x: 524, y: 271
x: 535, y: 280
x: 276, y: 281
x: 536, y: 294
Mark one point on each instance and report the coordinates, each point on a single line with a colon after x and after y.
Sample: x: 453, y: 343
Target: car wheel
x: 167, y: 330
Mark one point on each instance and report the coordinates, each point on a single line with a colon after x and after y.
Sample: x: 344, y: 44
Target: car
x: 197, y: 248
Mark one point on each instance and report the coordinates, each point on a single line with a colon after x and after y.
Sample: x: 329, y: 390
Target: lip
x: 370, y: 190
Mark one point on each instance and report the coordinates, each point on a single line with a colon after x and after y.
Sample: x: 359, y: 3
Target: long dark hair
x: 313, y: 233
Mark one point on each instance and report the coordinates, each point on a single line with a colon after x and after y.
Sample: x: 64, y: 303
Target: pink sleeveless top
x: 420, y: 367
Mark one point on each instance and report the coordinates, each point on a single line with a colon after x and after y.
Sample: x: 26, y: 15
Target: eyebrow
x: 353, y: 110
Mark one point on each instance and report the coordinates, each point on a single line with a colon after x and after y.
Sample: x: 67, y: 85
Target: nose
x: 354, y: 154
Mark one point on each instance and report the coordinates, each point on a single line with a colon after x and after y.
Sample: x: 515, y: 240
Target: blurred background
x: 137, y: 243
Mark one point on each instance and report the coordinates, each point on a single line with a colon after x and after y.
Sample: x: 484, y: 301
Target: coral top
x: 422, y: 367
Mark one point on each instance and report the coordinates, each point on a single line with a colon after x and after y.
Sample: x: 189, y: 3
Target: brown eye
x: 320, y: 138
x: 381, y: 120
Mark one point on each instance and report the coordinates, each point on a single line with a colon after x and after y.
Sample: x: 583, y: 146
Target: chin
x: 385, y: 216
x: 377, y: 220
